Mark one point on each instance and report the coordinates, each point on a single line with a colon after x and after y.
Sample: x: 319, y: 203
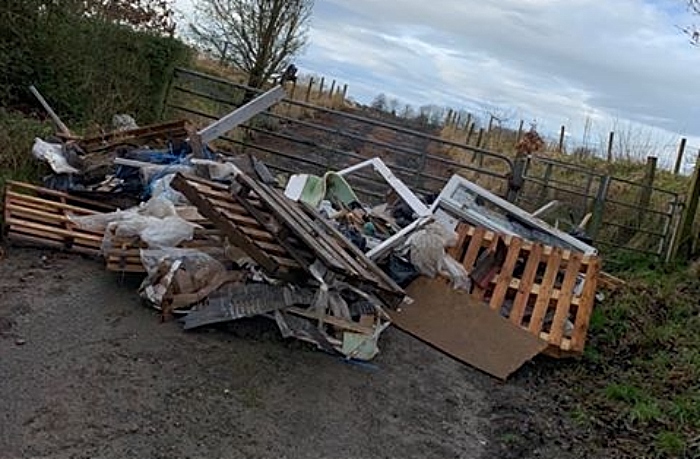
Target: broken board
x: 465, y: 328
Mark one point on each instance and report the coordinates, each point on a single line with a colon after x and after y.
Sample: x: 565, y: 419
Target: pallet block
x: 546, y: 290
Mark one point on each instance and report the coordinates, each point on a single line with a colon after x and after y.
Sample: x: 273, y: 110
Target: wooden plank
x: 307, y: 237
x: 525, y: 285
x: 141, y: 135
x: 16, y: 237
x: 506, y: 275
x: 585, y: 309
x: 528, y: 245
x: 536, y: 288
x: 346, y: 245
x: 542, y: 303
x: 292, y: 217
x: 331, y: 320
x: 555, y: 351
x: 473, y: 249
x: 52, y: 229
x: 457, y: 251
x: 43, y: 192
x: 238, y: 213
x: 57, y: 205
x: 561, y: 313
x: 219, y: 193
x: 18, y: 229
x: 42, y: 206
x: 609, y: 281
x: 237, y: 237
x: 56, y: 119
x: 45, y: 217
x: 117, y: 267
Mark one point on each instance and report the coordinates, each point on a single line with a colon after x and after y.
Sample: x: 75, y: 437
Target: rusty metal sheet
x: 465, y: 328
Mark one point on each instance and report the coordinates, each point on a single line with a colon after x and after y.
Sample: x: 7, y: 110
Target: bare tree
x: 380, y: 102
x: 692, y: 30
x: 258, y: 36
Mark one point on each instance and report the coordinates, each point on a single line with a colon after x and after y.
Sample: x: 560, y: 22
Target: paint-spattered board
x: 465, y: 328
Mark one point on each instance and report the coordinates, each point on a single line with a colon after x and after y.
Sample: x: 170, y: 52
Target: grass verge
x: 638, y: 384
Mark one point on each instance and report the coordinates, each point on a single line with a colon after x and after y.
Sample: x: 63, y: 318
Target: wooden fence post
x: 291, y: 96
x: 470, y: 133
x: 479, y: 138
x: 611, y: 139
x: 516, y: 182
x: 599, y: 207
x: 520, y: 132
x: 684, y: 242
x: 330, y: 92
x: 308, y: 90
x: 679, y: 157
x: 320, y: 87
x: 345, y: 91
x: 561, y: 139
x: 468, y: 123
x: 645, y: 192
x: 544, y: 191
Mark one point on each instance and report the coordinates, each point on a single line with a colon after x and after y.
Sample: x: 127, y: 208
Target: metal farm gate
x: 298, y: 137
x: 624, y: 214
x: 295, y: 136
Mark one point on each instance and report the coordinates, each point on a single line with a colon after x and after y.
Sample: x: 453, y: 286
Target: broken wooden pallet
x: 215, y: 202
x: 544, y: 289
x: 272, y: 229
x: 152, y: 135
x: 39, y: 216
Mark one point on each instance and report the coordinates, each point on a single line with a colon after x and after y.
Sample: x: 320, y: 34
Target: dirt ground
x: 86, y: 371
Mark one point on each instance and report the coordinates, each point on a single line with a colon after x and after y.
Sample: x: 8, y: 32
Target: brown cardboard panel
x: 465, y: 328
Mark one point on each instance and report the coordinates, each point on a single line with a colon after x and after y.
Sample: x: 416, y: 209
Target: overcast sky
x: 550, y: 61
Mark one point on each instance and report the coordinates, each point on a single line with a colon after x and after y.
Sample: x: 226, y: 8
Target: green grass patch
x: 17, y: 133
x: 641, y: 366
x: 670, y: 444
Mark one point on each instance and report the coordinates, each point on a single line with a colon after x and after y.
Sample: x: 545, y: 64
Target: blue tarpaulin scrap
x: 176, y: 157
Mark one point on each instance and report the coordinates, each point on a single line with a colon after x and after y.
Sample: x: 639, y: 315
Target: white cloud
x: 555, y: 61
x: 558, y: 61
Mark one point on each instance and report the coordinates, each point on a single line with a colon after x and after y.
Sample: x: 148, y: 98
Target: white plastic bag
x: 428, y: 248
x: 167, y: 232
x: 156, y: 222
x: 429, y: 258
x: 52, y: 153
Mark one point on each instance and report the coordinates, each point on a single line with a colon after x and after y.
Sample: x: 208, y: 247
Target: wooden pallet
x: 153, y: 135
x: 539, y: 282
x: 125, y: 254
x: 39, y: 216
x: 283, y: 237
x: 216, y: 203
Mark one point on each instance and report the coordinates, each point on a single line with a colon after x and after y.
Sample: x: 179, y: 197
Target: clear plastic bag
x: 52, y: 153
x: 161, y: 189
x: 167, y: 232
x: 185, y: 276
x: 156, y: 222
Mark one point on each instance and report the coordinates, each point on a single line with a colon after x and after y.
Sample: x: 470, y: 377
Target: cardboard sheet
x: 465, y: 328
